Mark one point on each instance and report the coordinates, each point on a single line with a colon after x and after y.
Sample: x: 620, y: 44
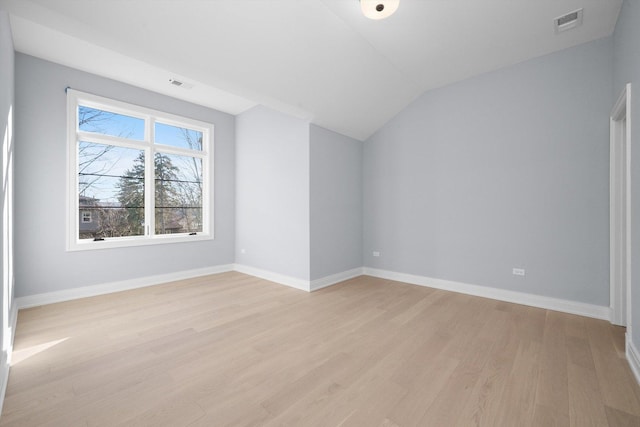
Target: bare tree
x: 192, y: 200
x: 96, y: 121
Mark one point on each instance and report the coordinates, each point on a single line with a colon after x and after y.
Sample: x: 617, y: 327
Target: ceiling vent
x: 568, y: 21
x: 181, y: 84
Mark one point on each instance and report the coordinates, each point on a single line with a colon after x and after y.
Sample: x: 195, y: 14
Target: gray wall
x: 336, y: 202
x: 626, y: 67
x: 507, y: 169
x: 42, y: 263
x: 6, y: 158
x: 272, y: 192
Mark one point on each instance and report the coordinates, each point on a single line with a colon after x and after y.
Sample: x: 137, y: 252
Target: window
x: 136, y: 176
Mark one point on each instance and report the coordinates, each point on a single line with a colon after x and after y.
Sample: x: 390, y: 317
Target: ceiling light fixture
x: 379, y: 9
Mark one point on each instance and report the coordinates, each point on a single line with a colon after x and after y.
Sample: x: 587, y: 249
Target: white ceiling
x: 319, y: 60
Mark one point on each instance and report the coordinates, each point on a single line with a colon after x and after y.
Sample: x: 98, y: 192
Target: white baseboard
x: 323, y: 282
x: 107, y: 288
x: 549, y: 303
x: 293, y: 282
x: 633, y: 356
x: 5, y: 364
x: 125, y: 285
x: 4, y: 378
x: 567, y: 306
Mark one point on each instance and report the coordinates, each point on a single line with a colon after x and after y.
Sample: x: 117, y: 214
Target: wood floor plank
x: 544, y: 416
x: 233, y: 350
x: 167, y: 412
x: 372, y: 411
x: 552, y: 394
x: 586, y: 406
x: 484, y: 404
x: 620, y: 418
x: 518, y: 400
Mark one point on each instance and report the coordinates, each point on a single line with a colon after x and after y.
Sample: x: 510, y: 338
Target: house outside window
x: 137, y: 176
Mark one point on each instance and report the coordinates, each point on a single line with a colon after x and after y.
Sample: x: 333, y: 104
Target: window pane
x: 178, y: 137
x: 108, y: 123
x: 110, y: 191
x: 178, y: 198
x: 178, y: 220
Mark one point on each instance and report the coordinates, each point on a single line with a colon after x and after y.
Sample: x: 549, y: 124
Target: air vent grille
x: 563, y: 20
x: 181, y: 84
x: 568, y: 21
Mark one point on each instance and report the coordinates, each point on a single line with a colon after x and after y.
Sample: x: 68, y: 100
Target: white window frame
x: 75, y: 135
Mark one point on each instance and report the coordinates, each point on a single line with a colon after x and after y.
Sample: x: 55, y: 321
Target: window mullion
x: 181, y: 151
x: 150, y: 185
x: 109, y: 140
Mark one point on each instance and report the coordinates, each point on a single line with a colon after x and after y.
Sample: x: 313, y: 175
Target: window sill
x: 125, y: 242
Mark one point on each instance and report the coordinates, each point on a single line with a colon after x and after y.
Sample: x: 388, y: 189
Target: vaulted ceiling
x: 320, y: 60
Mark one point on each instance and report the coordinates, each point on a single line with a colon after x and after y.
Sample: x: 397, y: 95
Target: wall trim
x: 4, y: 377
x: 633, y: 356
x: 123, y: 285
x: 141, y: 282
x: 293, y: 282
x: 566, y: 306
x: 332, y: 279
x: 620, y: 209
x: 6, y: 358
x: 549, y: 303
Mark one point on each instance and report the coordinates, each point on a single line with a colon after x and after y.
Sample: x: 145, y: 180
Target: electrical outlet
x: 376, y: 253
x: 518, y: 271
x: 242, y: 251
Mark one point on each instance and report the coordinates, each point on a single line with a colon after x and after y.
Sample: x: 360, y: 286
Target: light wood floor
x: 233, y: 350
